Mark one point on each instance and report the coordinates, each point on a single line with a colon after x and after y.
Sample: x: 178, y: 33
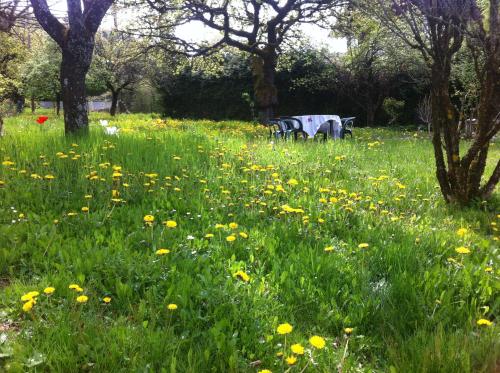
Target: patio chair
x: 295, y: 126
x: 279, y: 129
x: 327, y: 130
x: 347, y: 126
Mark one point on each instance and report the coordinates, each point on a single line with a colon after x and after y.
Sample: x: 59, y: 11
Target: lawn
x: 197, y: 246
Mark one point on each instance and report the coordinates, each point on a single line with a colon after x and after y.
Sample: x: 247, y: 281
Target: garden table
x: 312, y: 124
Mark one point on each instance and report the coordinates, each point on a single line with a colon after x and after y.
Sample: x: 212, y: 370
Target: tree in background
x: 258, y: 27
x: 118, y: 64
x: 438, y: 30
x: 376, y: 64
x: 12, y: 12
x: 40, y: 74
x: 76, y: 40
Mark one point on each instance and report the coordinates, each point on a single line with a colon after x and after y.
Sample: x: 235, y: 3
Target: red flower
x: 41, y: 119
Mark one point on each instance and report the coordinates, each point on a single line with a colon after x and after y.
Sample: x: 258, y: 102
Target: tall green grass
x: 412, y: 301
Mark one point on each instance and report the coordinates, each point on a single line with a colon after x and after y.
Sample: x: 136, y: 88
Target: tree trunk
x: 19, y: 105
x: 114, y: 102
x: 58, y: 104
x: 265, y: 91
x: 77, y: 40
x: 445, y: 125
x: 1, y: 126
x: 74, y: 67
x: 33, y: 105
x: 370, y: 114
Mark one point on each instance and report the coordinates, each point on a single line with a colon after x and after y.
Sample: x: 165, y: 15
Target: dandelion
x: 85, y: 209
x: 28, y: 305
x: 264, y: 371
x: 291, y: 360
x: 233, y: 225
x: 242, y: 276
x: 76, y: 288
x: 162, y: 251
x: 172, y: 307
x: 462, y: 250
x: 170, y: 224
x: 30, y: 296
x: 348, y: 330
x: 49, y: 290
x: 297, y: 349
x: 329, y: 249
x: 317, y: 342
x: 363, y: 246
x: 209, y: 235
x: 292, y: 182
x: 243, y: 235
x: 149, y: 219
x: 230, y: 238
x: 484, y: 322
x: 285, y: 328
x: 106, y: 300
x: 82, y: 299
x: 462, y: 232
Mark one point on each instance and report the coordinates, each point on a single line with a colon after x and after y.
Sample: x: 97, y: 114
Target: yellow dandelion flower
x: 363, y: 245
x: 149, y: 219
x: 49, y: 290
x: 329, y: 249
x: 233, y: 225
x: 317, y: 342
x: 28, y: 305
x: 230, y: 238
x: 170, y: 224
x: 291, y: 360
x: 243, y: 235
x: 285, y: 328
x: 348, y: 330
x: 85, y: 209
x: 30, y: 296
x: 484, y: 322
x: 162, y: 251
x: 242, y: 276
x: 462, y: 232
x: 82, y: 299
x: 106, y: 300
x: 462, y: 250
x: 297, y: 349
x: 264, y: 371
x: 292, y: 182
x: 209, y: 235
x: 172, y: 307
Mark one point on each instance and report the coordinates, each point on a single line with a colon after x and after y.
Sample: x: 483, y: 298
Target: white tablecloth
x: 312, y: 124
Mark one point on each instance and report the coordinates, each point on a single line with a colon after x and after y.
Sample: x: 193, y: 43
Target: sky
x: 197, y: 32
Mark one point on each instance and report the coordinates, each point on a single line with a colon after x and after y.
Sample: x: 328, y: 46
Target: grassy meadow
x: 197, y: 246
